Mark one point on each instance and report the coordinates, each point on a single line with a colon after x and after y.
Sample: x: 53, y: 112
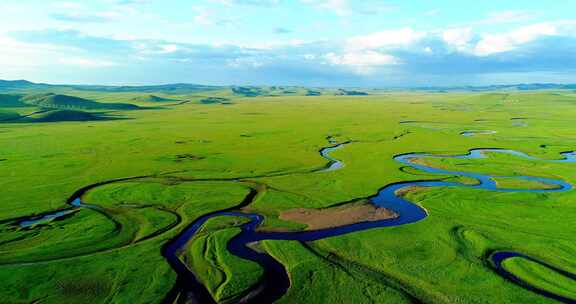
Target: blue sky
x: 289, y: 42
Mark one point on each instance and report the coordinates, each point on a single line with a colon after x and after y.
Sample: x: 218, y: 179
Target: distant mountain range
x: 509, y: 87
x: 177, y: 88
x: 184, y: 88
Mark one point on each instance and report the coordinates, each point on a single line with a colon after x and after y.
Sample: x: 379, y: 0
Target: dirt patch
x: 419, y: 161
x: 187, y: 157
x: 404, y: 191
x: 430, y: 162
x: 337, y: 216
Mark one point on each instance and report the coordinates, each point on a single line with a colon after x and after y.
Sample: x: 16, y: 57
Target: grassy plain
x: 112, y: 254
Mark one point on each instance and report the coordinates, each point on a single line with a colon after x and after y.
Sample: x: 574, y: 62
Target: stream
x: 275, y: 281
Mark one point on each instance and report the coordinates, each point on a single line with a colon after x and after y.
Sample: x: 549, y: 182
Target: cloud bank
x: 403, y: 56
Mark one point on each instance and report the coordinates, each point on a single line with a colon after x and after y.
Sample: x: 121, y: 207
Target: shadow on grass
x: 45, y: 116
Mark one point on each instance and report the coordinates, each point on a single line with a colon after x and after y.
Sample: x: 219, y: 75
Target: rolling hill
x: 11, y: 101
x: 65, y: 115
x: 7, y: 116
x: 58, y: 101
x: 215, y: 100
x: 152, y: 98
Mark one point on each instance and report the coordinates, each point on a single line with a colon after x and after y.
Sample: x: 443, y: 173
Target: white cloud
x: 508, y: 17
x: 249, y: 62
x: 87, y: 17
x: 364, y: 62
x: 86, y: 62
x: 531, y: 32
x: 366, y: 58
x: 339, y: 7
x: 248, y: 2
x: 209, y: 17
x: 498, y: 43
x: 459, y: 38
x: 68, y: 5
x: 17, y: 54
x: 406, y: 51
x: 386, y: 39
x: 203, y: 17
x: 345, y: 8
x: 463, y: 40
x: 309, y: 56
x: 130, y: 2
x: 79, y: 13
x: 169, y: 48
x: 271, y: 45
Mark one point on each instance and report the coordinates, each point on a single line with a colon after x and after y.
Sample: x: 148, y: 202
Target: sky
x: 345, y: 43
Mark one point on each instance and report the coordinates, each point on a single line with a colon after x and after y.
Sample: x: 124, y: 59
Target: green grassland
x: 188, y: 157
x: 541, y: 276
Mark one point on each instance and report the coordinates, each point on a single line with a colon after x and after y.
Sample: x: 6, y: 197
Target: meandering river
x: 275, y: 281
